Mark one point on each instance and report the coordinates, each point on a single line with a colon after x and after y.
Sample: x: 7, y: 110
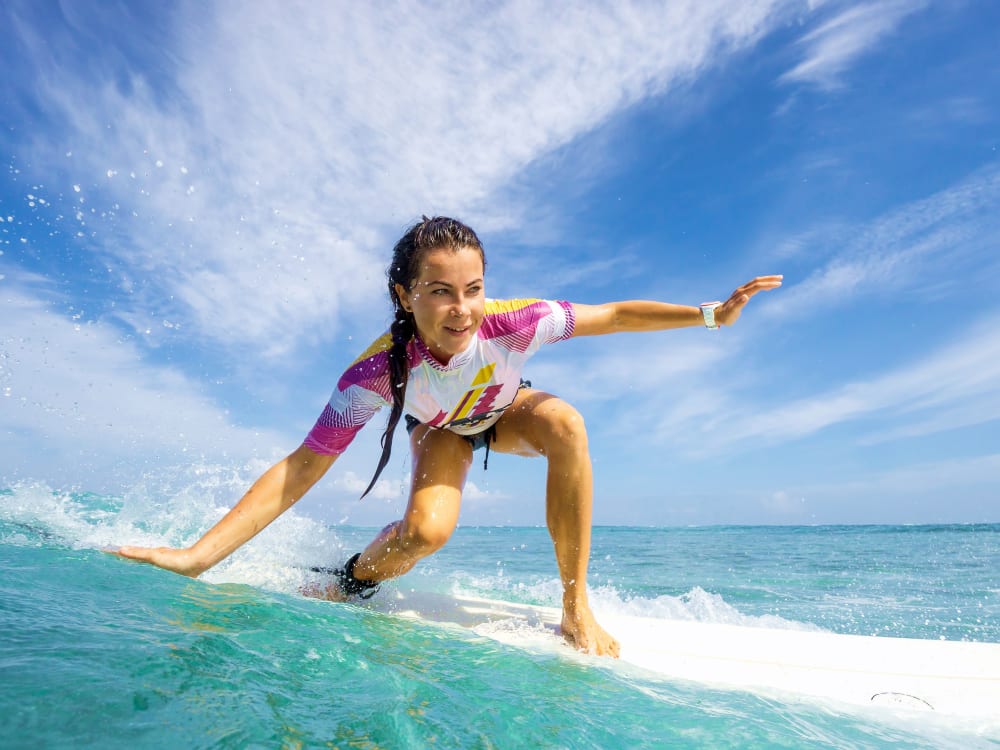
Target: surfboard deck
x: 949, y: 678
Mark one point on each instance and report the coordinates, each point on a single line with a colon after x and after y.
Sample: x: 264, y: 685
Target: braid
x: 399, y: 372
x: 425, y: 235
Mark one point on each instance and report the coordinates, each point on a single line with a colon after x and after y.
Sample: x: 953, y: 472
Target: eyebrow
x: 445, y: 283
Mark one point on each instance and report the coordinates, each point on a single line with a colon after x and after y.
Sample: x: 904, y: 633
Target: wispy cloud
x: 955, y: 386
x: 80, y: 391
x: 271, y: 152
x: 922, y: 245
x: 927, y: 477
x: 915, y: 252
x: 395, y: 489
x: 839, y: 42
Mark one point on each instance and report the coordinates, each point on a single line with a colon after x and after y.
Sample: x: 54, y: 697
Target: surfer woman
x: 452, y: 362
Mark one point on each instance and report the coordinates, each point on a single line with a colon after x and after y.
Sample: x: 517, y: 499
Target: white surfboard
x: 949, y: 678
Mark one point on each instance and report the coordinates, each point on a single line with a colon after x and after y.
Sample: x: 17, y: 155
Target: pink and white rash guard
x: 466, y: 396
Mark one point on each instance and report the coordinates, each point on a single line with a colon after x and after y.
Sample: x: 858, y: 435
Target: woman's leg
x: 539, y: 424
x: 440, y: 463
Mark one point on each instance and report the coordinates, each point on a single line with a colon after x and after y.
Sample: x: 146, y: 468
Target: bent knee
x: 564, y: 427
x: 426, y: 536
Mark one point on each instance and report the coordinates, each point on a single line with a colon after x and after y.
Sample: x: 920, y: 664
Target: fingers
x: 759, y: 284
x: 730, y: 311
x: 129, y: 553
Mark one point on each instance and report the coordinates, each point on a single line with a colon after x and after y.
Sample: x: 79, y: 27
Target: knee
x: 565, y: 429
x: 425, y: 536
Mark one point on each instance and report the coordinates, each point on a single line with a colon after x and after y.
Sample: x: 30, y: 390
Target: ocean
x: 100, y: 652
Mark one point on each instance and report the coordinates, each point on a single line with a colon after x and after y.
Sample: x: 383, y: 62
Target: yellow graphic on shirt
x: 485, y: 375
x: 472, y: 396
x: 495, y: 306
x: 381, y: 344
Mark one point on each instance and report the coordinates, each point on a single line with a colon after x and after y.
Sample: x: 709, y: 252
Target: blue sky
x: 199, y: 200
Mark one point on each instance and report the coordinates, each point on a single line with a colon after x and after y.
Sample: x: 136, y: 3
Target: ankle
x: 575, y: 601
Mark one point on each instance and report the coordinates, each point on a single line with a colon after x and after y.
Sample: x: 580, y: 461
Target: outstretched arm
x: 270, y: 496
x: 640, y: 315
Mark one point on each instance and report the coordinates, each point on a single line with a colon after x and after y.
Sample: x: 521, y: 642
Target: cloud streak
x: 917, y: 251
x: 956, y: 386
x: 270, y: 160
x: 78, y: 390
x: 839, y: 42
x: 926, y: 244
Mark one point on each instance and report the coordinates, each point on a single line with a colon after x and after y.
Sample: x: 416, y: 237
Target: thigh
x: 535, y: 423
x: 441, y: 461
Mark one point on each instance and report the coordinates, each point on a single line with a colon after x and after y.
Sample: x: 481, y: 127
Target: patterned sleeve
x: 362, y: 390
x: 524, y: 325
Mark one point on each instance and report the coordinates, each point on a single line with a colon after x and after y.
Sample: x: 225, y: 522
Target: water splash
x: 172, y: 508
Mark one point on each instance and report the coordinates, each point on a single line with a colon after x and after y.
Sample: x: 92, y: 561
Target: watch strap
x: 708, y: 314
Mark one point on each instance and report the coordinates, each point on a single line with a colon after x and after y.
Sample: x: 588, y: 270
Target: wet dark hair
x: 424, y: 236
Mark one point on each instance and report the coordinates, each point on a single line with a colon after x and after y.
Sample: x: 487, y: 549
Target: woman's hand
x: 177, y: 560
x: 271, y: 495
x: 729, y: 312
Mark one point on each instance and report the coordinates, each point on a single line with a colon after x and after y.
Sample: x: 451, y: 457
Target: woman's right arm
x: 276, y: 491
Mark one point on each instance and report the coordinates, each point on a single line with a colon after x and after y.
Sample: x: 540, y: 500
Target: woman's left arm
x: 641, y: 315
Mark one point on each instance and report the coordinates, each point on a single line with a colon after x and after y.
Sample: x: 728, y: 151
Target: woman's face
x: 447, y: 300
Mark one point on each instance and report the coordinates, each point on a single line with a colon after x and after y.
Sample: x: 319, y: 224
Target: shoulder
x: 371, y: 364
x: 528, y: 315
x: 377, y: 347
x: 524, y: 311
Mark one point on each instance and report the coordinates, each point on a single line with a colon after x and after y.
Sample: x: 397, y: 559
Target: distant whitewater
x: 97, y: 651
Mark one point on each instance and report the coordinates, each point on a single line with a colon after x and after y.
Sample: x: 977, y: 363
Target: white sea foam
x: 171, y: 508
x: 175, y: 507
x: 694, y: 605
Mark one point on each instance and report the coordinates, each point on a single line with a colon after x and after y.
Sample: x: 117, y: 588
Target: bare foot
x: 330, y: 591
x: 582, y: 631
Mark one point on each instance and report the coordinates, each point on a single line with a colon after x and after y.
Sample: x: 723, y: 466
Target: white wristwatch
x: 708, y: 314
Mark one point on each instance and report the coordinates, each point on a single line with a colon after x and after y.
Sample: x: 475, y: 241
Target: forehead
x: 446, y: 264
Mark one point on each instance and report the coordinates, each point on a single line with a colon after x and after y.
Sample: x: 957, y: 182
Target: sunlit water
x: 96, y: 651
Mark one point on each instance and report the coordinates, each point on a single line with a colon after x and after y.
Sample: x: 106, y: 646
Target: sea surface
x: 99, y: 652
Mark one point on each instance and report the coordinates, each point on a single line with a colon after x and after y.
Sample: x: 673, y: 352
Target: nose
x: 461, y: 307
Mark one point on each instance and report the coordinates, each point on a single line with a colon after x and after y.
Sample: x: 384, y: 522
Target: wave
x: 174, y: 507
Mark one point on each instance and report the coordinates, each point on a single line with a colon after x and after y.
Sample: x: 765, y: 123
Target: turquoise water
x: 98, y: 652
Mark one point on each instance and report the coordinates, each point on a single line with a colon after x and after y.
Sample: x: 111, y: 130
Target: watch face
x: 708, y: 314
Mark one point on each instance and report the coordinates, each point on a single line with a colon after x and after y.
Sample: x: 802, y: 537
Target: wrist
x: 708, y: 310
x: 196, y: 560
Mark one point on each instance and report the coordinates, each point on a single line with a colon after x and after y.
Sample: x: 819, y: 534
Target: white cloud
x: 956, y: 386
x: 836, y: 44
x: 925, y: 478
x: 79, y: 395
x: 394, y: 489
x: 925, y: 244
x: 384, y: 489
x: 292, y: 142
x: 613, y: 372
x: 783, y: 504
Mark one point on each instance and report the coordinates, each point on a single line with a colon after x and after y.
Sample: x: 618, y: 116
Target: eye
x: 475, y: 290
x: 440, y: 291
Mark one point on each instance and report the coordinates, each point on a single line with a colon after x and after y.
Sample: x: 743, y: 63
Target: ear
x: 404, y: 297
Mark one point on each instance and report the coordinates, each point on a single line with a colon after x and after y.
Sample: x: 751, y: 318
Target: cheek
x: 425, y: 310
